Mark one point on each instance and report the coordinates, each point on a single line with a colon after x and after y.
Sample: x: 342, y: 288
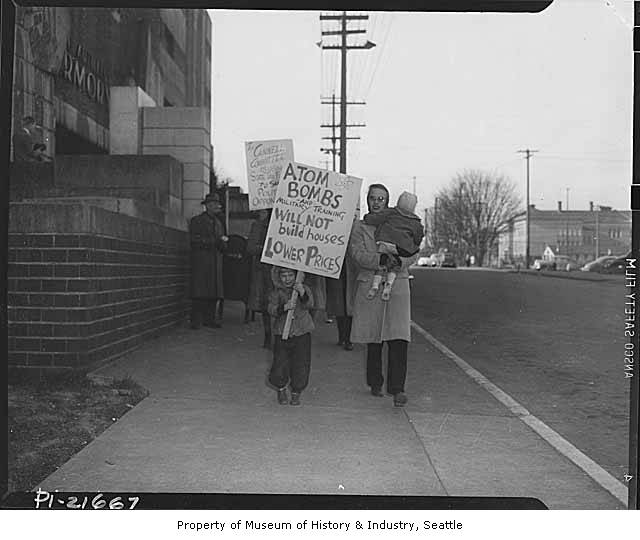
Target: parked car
x: 446, y: 260
x: 544, y: 264
x: 616, y: 266
x: 565, y: 263
x: 598, y: 264
x: 431, y: 260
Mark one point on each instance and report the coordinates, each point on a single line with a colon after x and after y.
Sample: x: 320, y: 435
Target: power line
x: 366, y: 63
x: 565, y: 158
x: 383, y: 50
x: 374, y: 67
x: 358, y: 71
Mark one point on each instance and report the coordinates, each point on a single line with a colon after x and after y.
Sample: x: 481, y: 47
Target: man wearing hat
x: 208, y: 242
x: 23, y: 140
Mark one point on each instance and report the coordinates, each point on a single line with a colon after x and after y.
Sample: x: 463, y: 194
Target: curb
x: 567, y: 275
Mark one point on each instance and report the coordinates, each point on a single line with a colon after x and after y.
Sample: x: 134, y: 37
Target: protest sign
x: 265, y: 161
x: 311, y: 222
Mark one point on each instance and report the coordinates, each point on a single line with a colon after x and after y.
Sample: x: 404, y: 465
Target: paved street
x: 554, y: 344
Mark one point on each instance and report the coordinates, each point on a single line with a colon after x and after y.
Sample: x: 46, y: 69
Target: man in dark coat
x: 208, y: 242
x: 23, y: 140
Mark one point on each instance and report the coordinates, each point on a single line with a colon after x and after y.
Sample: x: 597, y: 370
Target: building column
x: 185, y: 134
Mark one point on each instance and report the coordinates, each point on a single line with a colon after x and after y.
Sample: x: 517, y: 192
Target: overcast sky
x: 443, y: 92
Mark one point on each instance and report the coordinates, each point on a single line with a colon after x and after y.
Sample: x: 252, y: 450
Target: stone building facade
x: 98, y: 257
x: 67, y: 58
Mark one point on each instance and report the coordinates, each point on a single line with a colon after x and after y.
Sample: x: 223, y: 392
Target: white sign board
x: 265, y: 161
x: 311, y: 222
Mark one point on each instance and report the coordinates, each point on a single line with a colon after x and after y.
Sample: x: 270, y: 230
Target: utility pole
x: 333, y: 150
x: 426, y: 226
x: 435, y: 225
x: 478, y: 216
x: 566, y: 234
x: 597, y: 209
x: 414, y: 185
x: 528, y: 153
x: 343, y: 48
x: 333, y: 129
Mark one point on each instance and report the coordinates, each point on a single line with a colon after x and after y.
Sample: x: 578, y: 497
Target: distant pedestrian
x: 23, y: 140
x: 208, y: 242
x: 291, y: 357
x: 261, y: 284
x: 398, y: 234
x: 375, y: 321
x: 467, y: 260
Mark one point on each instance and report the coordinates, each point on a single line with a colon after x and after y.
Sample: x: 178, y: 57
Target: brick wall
x: 86, y: 284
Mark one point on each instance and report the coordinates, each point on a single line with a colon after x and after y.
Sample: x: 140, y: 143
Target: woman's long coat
x: 206, y: 234
x: 375, y: 320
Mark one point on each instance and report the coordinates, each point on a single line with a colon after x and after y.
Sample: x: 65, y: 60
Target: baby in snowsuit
x: 398, y: 234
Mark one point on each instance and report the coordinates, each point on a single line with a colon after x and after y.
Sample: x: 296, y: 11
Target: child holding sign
x: 291, y: 357
x: 398, y: 234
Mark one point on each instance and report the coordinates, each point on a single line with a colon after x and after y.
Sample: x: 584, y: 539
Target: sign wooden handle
x: 294, y: 298
x: 226, y: 210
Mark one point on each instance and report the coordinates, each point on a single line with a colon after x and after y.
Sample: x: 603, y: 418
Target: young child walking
x: 291, y: 357
x: 398, y: 234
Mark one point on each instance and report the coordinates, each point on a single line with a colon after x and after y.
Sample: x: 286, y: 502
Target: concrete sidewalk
x: 211, y: 425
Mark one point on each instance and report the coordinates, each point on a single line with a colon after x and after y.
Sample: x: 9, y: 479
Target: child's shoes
x: 283, y: 399
x: 400, y: 399
x: 386, y: 292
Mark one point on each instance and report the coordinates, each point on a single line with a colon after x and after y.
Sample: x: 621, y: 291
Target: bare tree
x: 431, y: 243
x: 469, y: 213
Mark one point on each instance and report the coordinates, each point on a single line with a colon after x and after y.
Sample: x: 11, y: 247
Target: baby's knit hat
x: 407, y: 202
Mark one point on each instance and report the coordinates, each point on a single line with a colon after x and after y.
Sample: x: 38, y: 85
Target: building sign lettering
x: 89, y: 75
